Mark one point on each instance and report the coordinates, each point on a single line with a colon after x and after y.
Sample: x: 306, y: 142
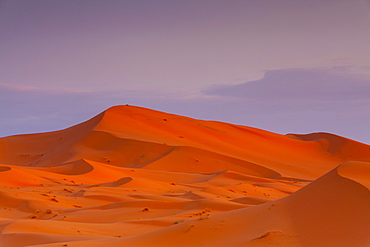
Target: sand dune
x: 136, y: 177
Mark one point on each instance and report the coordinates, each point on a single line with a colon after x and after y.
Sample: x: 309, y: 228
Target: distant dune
x: 137, y: 177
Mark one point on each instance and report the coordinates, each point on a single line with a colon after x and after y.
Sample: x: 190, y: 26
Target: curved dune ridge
x: 137, y: 177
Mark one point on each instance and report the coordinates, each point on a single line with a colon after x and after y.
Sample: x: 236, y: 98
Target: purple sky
x: 284, y: 66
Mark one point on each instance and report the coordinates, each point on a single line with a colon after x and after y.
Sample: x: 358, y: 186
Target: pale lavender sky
x: 284, y: 66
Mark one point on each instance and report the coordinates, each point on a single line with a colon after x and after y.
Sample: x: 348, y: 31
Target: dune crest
x: 138, y: 177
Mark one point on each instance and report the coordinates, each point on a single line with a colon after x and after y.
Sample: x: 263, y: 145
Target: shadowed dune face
x: 77, y: 167
x: 137, y: 177
x: 336, y: 145
x: 107, y: 148
x: 4, y: 168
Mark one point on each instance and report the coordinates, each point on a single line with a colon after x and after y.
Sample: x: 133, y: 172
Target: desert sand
x: 137, y: 177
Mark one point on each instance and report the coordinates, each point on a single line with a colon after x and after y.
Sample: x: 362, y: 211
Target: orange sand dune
x: 136, y: 177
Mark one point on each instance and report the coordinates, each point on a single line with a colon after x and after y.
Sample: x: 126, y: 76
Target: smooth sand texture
x: 136, y: 177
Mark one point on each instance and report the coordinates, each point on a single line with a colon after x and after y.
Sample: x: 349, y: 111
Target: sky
x: 285, y: 66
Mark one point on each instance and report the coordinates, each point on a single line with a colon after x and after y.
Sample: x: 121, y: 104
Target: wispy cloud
x: 53, y: 90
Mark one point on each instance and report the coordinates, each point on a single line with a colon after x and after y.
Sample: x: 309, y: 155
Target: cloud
x: 334, y: 84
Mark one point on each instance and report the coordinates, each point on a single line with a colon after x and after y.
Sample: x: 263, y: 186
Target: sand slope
x: 134, y: 176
